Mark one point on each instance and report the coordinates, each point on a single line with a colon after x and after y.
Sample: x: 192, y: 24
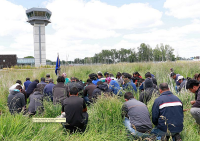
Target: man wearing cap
x: 182, y: 82
x: 193, y: 86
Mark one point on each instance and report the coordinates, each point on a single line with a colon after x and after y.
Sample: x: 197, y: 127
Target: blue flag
x: 57, y: 65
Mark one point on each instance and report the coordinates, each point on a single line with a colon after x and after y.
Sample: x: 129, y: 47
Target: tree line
x: 144, y: 54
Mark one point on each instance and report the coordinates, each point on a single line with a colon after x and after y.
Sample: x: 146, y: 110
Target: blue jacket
x: 114, y: 86
x: 130, y: 86
x: 26, y: 84
x: 48, y: 90
x: 170, y: 107
x: 95, y: 81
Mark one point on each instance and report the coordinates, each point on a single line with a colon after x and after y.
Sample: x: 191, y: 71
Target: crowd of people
x: 74, y: 96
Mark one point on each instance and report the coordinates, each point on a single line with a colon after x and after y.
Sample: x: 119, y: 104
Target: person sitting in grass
x: 94, y: 78
x: 167, y: 115
x: 197, y: 76
x: 101, y: 88
x: 175, y: 77
x: 31, y: 87
x: 36, y: 102
x: 113, y: 85
x: 75, y: 112
x: 193, y: 86
x: 119, y: 78
x: 16, y: 100
x: 60, y: 91
x: 100, y: 76
x: 18, y: 82
x: 42, y: 84
x: 137, y: 118
x: 182, y: 82
x: 148, y: 92
x: 48, y: 90
x: 47, y: 78
x: 67, y: 80
x: 26, y: 83
x: 128, y: 84
x: 87, y: 93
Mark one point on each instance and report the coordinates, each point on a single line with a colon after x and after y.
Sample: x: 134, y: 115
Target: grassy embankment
x: 105, y: 121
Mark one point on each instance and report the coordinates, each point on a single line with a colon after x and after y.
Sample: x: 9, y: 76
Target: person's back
x: 31, y: 87
x: 16, y: 100
x: 48, y: 90
x: 18, y: 82
x: 89, y: 90
x: 101, y: 88
x: 60, y: 91
x: 148, y: 92
x: 26, y: 84
x: 36, y: 102
x: 114, y: 86
x: 75, y: 111
x: 167, y: 111
x: 42, y: 84
x: 137, y: 118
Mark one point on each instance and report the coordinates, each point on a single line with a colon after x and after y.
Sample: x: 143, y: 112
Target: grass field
x: 105, y: 122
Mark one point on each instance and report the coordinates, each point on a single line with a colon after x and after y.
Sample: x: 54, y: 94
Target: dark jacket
x: 138, y: 114
x: 148, y: 92
x: 101, y: 88
x: 41, y: 86
x: 16, y: 101
x: 167, y: 108
x: 60, y: 92
x: 31, y: 87
x: 197, y: 98
x: 36, y: 102
x: 183, y: 85
x: 78, y: 85
x: 73, y: 108
x: 89, y: 90
x: 48, y: 91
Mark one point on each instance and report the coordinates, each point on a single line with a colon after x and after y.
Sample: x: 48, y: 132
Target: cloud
x: 13, y: 19
x: 180, y: 38
x: 77, y: 19
x: 183, y: 8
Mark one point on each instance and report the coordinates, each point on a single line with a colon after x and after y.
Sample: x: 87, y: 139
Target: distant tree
x: 29, y: 57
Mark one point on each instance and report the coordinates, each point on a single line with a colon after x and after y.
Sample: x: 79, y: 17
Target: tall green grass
x: 105, y: 122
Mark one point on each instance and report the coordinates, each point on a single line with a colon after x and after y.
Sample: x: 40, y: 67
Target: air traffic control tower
x: 39, y: 18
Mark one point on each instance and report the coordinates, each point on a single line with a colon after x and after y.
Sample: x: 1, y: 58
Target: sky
x: 81, y: 28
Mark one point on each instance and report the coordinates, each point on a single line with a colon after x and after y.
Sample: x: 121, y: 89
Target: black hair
x: 99, y: 82
x: 111, y: 75
x: 36, y: 80
x: 19, y: 87
x: 60, y: 79
x: 148, y: 74
x: 127, y: 75
x: 128, y: 95
x: 119, y: 74
x: 77, y: 80
x: 47, y: 75
x: 73, y: 91
x: 93, y: 76
x: 172, y: 74
x: 136, y: 73
x: 42, y: 79
x: 191, y: 83
x: 89, y: 81
x: 27, y: 78
x: 19, y: 81
x: 164, y: 86
x: 154, y: 81
x: 106, y: 73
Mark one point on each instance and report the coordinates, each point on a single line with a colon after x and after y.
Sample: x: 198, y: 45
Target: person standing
x: 167, y: 114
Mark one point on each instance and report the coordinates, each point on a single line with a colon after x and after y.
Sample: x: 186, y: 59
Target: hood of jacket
x: 15, y: 91
x: 103, y: 86
x: 148, y: 83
